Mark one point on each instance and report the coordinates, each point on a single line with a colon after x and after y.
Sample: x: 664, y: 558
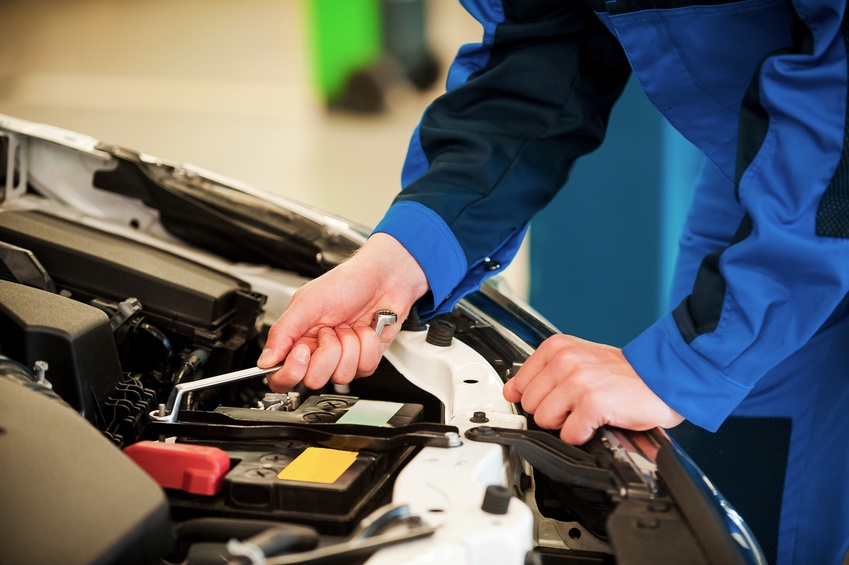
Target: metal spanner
x: 169, y: 411
x: 386, y: 526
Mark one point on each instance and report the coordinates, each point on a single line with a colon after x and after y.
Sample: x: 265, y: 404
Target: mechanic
x: 760, y: 329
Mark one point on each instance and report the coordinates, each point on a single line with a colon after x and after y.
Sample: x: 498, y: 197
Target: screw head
x: 479, y: 417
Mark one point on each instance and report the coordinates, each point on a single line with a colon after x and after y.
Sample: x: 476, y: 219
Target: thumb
x: 288, y: 328
x: 267, y: 358
x: 293, y: 370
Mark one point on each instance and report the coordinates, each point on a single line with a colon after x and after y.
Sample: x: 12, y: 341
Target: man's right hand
x: 325, y: 333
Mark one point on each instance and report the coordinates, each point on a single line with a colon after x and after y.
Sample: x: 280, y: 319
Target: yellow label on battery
x: 318, y: 465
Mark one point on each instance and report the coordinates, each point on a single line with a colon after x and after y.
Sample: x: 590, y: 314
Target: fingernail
x: 265, y: 357
x: 301, y: 353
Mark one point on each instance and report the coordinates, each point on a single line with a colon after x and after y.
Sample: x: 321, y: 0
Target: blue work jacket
x: 759, y: 86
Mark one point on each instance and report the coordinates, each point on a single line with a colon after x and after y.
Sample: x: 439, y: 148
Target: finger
x: 542, y: 385
x: 370, y: 350
x: 324, y: 359
x: 536, y: 363
x: 553, y: 410
x: 297, y: 320
x: 346, y: 370
x: 515, y: 388
x: 510, y: 393
x: 293, y: 370
x: 389, y: 333
x: 270, y: 356
x: 579, y: 428
x: 282, y: 336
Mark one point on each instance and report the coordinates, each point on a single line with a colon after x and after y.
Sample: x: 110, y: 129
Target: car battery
x: 294, y: 480
x: 328, y: 489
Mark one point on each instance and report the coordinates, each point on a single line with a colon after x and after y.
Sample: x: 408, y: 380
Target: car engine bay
x: 129, y: 286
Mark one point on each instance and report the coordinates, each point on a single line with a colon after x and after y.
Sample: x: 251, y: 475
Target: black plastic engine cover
x: 94, y: 264
x: 68, y: 495
x: 75, y: 340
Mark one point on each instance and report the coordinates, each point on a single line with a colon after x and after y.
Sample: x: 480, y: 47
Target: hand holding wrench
x: 168, y: 412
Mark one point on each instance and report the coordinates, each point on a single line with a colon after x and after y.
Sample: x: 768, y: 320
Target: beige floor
x: 222, y: 85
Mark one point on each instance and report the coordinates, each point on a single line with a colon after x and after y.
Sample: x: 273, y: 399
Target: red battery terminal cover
x: 196, y: 469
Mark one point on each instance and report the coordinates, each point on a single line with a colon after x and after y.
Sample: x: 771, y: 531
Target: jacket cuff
x: 432, y: 243
x: 682, y: 378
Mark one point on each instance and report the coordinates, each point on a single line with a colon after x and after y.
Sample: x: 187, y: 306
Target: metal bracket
x: 346, y: 437
x: 558, y: 460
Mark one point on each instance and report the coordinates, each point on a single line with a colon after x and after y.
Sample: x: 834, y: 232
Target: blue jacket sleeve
x: 786, y: 271
x: 521, y: 106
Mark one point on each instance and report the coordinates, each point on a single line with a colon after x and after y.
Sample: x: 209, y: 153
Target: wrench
x: 386, y: 526
x: 169, y: 411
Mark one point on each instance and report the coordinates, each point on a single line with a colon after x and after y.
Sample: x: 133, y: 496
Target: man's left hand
x: 578, y: 386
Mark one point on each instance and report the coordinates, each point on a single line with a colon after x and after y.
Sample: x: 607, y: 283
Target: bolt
x: 261, y: 472
x: 40, y: 368
x: 440, y: 333
x: 496, y: 499
x: 319, y: 417
x: 453, y: 439
x: 485, y: 430
x: 274, y: 458
x: 331, y: 404
x: 479, y: 417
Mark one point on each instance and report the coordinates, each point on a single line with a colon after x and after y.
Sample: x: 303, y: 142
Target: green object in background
x: 345, y: 37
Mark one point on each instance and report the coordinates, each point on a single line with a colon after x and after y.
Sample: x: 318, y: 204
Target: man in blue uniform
x: 760, y: 330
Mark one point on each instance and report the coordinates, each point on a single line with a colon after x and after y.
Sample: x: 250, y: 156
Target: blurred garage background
x: 245, y: 89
